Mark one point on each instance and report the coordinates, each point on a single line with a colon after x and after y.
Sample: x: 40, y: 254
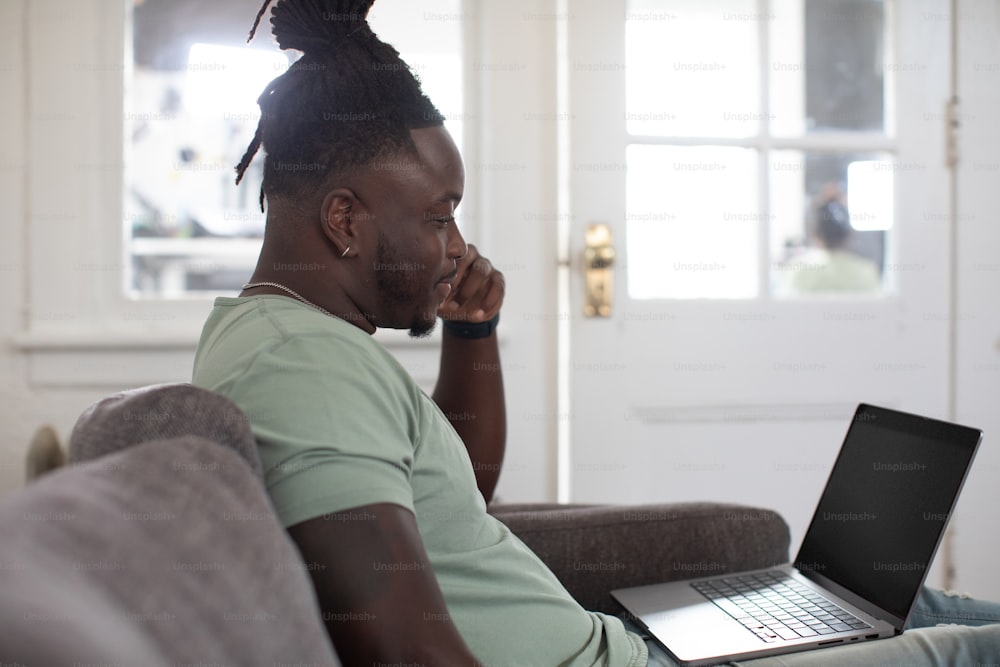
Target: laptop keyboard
x: 775, y: 607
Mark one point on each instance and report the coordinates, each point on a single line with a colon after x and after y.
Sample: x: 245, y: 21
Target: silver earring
x: 344, y: 254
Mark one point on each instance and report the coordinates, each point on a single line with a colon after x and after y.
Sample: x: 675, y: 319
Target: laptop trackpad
x: 692, y: 628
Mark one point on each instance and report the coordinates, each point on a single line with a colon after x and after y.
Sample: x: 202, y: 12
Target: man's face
x: 411, y: 205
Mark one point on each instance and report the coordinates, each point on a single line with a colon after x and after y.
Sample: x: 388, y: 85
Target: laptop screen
x: 883, y: 512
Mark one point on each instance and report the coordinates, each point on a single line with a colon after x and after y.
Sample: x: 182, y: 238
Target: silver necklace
x: 292, y: 292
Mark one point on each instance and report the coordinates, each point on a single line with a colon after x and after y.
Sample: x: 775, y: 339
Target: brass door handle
x: 598, y: 262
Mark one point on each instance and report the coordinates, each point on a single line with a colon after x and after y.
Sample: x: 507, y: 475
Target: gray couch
x: 157, y: 545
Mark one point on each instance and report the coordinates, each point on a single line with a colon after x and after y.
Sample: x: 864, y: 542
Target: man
x: 374, y: 479
x: 375, y: 485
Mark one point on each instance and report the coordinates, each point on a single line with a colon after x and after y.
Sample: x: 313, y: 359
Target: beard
x: 401, y: 288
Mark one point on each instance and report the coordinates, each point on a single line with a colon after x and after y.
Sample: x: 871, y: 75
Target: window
x: 760, y: 156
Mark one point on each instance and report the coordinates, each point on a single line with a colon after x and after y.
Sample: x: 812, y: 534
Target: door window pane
x: 692, y: 68
x: 831, y: 221
x: 834, y: 77
x: 692, y: 220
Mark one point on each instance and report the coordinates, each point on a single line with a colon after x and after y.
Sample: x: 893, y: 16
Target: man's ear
x: 340, y: 217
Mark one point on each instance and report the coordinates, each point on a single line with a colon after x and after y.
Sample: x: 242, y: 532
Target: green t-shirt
x: 836, y: 271
x: 340, y: 425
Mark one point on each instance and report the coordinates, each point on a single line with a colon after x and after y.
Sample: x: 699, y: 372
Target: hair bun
x: 359, y: 105
x: 316, y: 26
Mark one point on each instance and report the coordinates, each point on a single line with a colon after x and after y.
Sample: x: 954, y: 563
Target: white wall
x: 59, y: 350
x: 23, y: 406
x: 14, y: 403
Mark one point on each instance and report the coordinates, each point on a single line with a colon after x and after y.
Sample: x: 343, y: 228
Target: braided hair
x: 348, y: 101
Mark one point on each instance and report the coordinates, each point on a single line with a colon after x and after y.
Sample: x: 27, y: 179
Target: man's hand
x: 477, y: 292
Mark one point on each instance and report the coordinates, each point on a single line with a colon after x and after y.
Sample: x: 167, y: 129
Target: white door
x: 710, y: 137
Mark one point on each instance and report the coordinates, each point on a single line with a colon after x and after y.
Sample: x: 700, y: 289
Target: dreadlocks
x: 348, y: 101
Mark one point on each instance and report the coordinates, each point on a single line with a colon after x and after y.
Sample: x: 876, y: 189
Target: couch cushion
x: 166, y: 552
x: 160, y: 412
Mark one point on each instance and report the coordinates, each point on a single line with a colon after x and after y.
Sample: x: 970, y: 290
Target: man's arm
x: 380, y: 600
x: 469, y: 389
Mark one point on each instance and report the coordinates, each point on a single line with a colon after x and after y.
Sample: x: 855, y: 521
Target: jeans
x: 943, y: 629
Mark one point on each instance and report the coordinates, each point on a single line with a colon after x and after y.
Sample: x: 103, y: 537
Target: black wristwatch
x: 471, y: 330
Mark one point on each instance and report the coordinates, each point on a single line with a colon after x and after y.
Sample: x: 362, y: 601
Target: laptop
x: 862, y: 561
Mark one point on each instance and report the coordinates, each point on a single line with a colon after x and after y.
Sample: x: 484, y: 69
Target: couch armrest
x: 161, y: 412
x: 594, y: 549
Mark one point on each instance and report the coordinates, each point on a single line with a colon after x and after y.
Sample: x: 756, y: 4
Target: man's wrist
x: 472, y: 330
